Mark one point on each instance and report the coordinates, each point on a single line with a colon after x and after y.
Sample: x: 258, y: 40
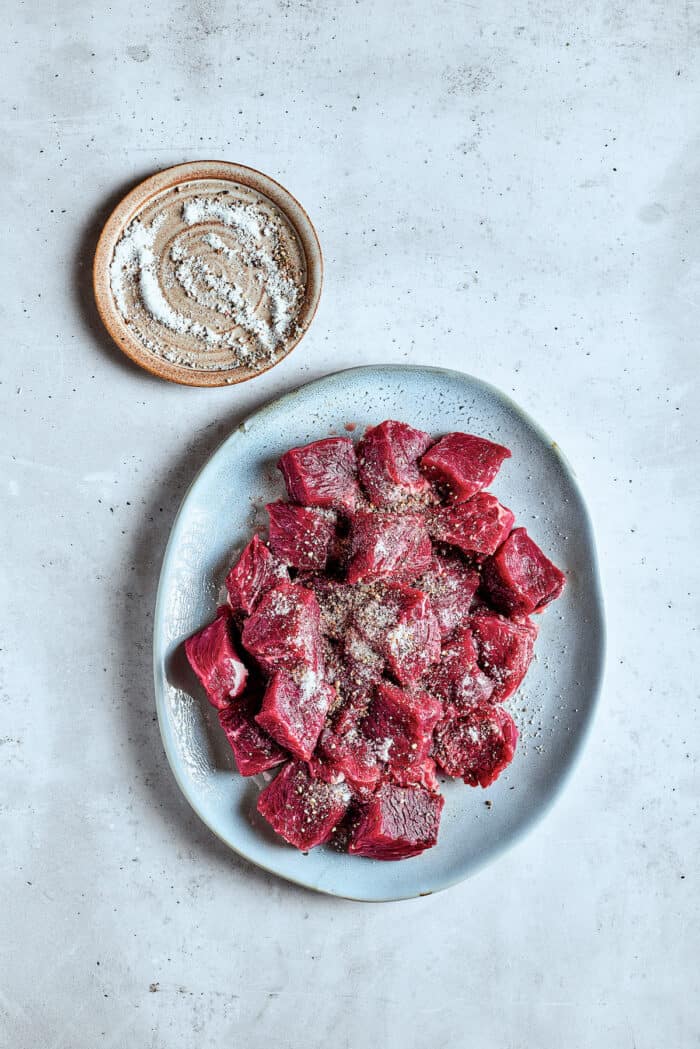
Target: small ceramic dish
x: 553, y: 708
x: 208, y: 273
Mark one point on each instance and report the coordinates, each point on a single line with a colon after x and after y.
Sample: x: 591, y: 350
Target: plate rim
x: 139, y: 195
x: 574, y: 754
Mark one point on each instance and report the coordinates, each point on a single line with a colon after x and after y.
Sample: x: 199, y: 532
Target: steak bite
x: 303, y: 810
x: 397, y: 622
x: 420, y: 775
x: 253, y: 750
x: 397, y: 823
x: 413, y: 643
x: 463, y: 464
x: 457, y: 679
x: 387, y: 459
x: 301, y: 536
x: 388, y: 546
x: 346, y: 757
x: 450, y: 584
x: 478, y: 526
x: 477, y: 745
x: 504, y: 650
x: 294, y: 709
x: 213, y: 657
x: 255, y: 571
x: 519, y: 578
x: 283, y: 631
x: 323, y: 473
x: 402, y: 723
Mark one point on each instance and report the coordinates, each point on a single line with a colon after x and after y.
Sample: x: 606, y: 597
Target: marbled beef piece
x: 397, y: 823
x: 450, y: 584
x: 346, y: 757
x: 253, y: 749
x: 283, y: 631
x: 476, y: 527
x: 323, y: 473
x: 294, y: 709
x: 388, y: 546
x: 476, y: 746
x: 398, y: 623
x: 504, y: 650
x: 457, y: 679
x: 387, y: 459
x: 253, y: 574
x: 402, y: 723
x: 303, y: 810
x: 301, y: 536
x: 423, y: 775
x: 214, y: 659
x: 412, y: 644
x: 463, y: 464
x: 519, y: 579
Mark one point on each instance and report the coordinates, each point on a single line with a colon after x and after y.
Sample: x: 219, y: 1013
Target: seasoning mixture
x: 210, y: 275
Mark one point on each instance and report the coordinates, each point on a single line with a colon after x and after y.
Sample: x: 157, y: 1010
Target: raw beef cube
x: 450, y: 585
x: 421, y: 775
x: 504, y: 650
x: 402, y: 724
x: 294, y: 709
x: 457, y: 679
x: 305, y: 811
x: 252, y: 748
x: 398, y: 622
x: 413, y: 643
x: 322, y: 474
x: 388, y: 546
x: 335, y: 600
x: 346, y: 757
x: 476, y: 527
x: 519, y: 578
x: 284, y: 628
x: 477, y: 745
x: 364, y: 666
x: 301, y: 536
x: 397, y: 822
x: 255, y: 571
x: 463, y: 464
x: 215, y: 661
x: 387, y: 458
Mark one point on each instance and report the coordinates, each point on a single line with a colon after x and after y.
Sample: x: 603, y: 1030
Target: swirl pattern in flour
x: 211, y: 276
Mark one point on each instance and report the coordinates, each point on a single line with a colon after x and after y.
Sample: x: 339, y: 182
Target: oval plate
x: 553, y: 708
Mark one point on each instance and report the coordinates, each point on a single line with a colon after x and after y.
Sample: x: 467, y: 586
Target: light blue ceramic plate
x: 553, y: 708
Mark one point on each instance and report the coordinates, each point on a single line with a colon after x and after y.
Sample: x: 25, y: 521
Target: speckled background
x: 506, y: 188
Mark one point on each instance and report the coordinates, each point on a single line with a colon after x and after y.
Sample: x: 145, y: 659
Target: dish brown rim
x: 126, y: 210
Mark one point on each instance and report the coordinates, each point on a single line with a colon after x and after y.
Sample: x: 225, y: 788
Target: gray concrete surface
x: 507, y: 188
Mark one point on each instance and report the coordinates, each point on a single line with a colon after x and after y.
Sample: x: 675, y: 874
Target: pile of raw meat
x: 372, y: 640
